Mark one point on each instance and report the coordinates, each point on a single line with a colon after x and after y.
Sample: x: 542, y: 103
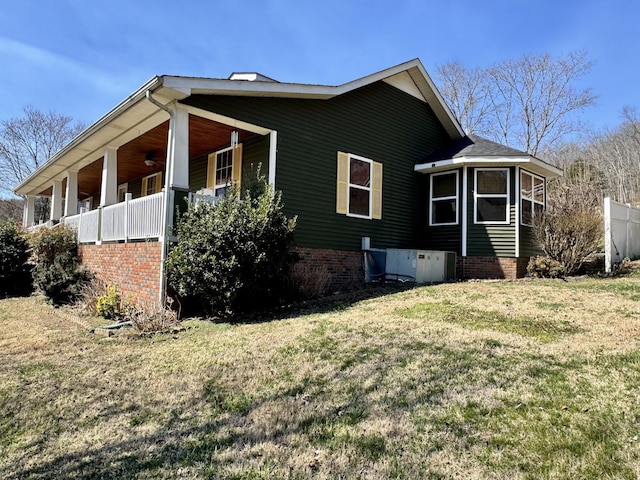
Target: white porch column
x: 71, y: 195
x: 56, y: 200
x: 109, y: 190
x: 273, y: 152
x: 178, y: 148
x: 28, y: 214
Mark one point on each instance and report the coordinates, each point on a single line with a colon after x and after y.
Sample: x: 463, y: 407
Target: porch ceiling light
x: 150, y: 159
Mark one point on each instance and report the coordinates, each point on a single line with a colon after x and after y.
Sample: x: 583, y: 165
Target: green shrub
x: 545, y: 267
x: 109, y: 305
x: 57, y: 273
x: 234, y: 256
x: 15, y: 271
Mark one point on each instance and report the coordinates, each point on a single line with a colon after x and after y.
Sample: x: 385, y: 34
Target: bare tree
x: 28, y: 142
x: 11, y: 210
x: 527, y: 103
x: 467, y: 93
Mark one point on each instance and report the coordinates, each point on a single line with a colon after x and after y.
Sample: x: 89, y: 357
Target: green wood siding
x: 491, y: 240
x: 134, y: 187
x: 198, y: 172
x: 378, y: 122
x: 443, y: 237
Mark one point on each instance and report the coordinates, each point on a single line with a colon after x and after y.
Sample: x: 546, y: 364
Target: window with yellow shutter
x: 224, y: 169
x: 151, y: 184
x: 359, y: 187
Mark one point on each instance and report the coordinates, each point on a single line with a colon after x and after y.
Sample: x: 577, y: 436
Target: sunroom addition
x: 483, y: 199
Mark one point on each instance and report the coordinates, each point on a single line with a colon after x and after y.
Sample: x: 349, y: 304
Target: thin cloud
x: 28, y: 57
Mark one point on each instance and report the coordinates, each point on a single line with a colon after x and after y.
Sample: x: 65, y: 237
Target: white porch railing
x: 40, y: 226
x: 203, y: 196
x: 129, y: 220
x: 144, y: 219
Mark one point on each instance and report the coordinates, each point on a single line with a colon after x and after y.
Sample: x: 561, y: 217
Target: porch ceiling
x: 204, y: 136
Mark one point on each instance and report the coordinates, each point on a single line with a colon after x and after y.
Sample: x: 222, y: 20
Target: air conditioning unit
x: 420, y: 266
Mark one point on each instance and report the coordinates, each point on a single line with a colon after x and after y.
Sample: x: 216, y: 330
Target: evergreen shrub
x: 234, y: 256
x: 57, y: 273
x: 15, y: 271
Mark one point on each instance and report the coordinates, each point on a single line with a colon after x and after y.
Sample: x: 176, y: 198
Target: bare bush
x: 88, y: 297
x: 310, y: 282
x: 150, y: 319
x: 572, y: 227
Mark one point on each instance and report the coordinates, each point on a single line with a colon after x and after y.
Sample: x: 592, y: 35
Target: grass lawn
x: 502, y: 380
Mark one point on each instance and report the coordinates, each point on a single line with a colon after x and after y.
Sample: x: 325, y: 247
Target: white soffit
x: 403, y: 81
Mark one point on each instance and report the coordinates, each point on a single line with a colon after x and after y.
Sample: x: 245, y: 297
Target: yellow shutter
x: 144, y: 187
x: 211, y: 171
x: 377, y: 191
x: 342, y: 187
x: 158, y: 188
x: 236, y: 168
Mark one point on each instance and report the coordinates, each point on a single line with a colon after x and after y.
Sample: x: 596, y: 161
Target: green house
x: 379, y: 158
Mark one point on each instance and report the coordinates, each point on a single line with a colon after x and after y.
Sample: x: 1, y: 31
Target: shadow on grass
x: 324, y: 410
x: 334, y: 302
x: 317, y: 410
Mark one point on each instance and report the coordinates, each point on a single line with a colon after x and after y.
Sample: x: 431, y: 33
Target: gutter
x: 166, y: 209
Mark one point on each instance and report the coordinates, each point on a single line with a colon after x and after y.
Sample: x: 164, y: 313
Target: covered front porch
x: 119, y: 183
x: 128, y: 190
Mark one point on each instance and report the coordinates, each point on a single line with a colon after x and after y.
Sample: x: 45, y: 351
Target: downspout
x: 167, y: 200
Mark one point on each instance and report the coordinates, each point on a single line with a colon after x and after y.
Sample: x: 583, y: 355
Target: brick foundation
x: 491, y: 267
x: 346, y: 267
x: 133, y: 267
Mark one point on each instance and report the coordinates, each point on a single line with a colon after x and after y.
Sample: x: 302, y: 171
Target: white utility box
x: 420, y: 266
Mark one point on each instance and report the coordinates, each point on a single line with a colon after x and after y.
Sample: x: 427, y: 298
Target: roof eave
x: 527, y: 161
x: 140, y: 94
x: 214, y: 86
x: 178, y: 88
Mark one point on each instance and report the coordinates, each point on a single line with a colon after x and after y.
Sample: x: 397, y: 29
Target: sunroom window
x: 532, y: 197
x: 443, y: 202
x: 492, y: 196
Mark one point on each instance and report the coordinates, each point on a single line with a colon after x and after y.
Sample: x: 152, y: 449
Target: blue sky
x: 81, y: 58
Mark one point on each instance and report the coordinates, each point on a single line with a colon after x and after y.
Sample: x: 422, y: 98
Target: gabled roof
x: 136, y: 114
x: 474, y: 150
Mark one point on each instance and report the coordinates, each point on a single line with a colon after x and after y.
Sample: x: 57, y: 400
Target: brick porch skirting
x: 133, y: 267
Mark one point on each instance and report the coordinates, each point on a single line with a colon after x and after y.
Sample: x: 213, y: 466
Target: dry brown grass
x: 518, y: 380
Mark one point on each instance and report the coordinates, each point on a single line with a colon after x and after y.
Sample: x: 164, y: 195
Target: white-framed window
x: 491, y: 195
x: 359, y: 187
x: 151, y: 184
x: 443, y: 198
x: 532, y: 197
x: 123, y: 188
x: 224, y: 169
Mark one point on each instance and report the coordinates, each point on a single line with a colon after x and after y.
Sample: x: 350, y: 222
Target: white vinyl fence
x: 621, y: 232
